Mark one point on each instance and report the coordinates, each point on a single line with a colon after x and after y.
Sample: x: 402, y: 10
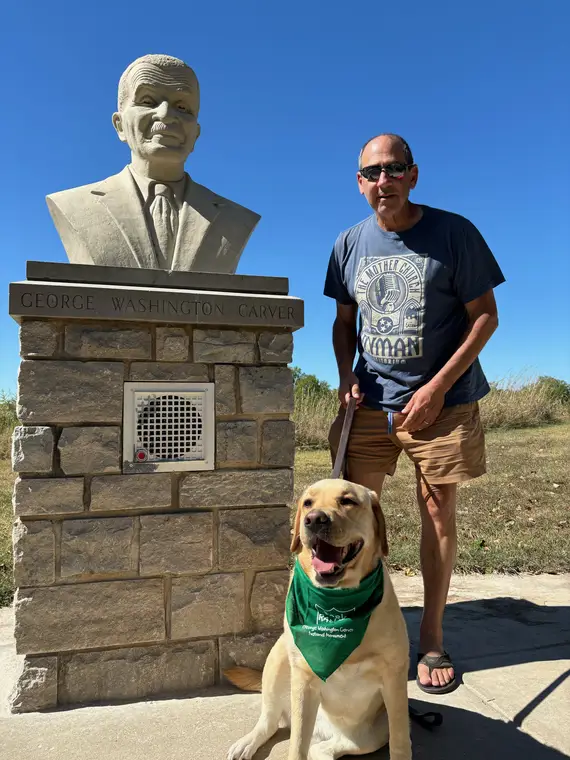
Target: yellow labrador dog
x: 339, y: 536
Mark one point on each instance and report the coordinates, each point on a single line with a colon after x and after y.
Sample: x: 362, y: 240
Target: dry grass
x: 514, y: 519
x: 521, y: 405
x: 313, y: 415
x: 516, y: 404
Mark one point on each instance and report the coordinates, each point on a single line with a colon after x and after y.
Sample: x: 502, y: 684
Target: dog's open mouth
x: 330, y: 561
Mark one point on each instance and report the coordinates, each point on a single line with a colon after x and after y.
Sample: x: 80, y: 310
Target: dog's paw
x: 244, y: 749
x: 318, y: 755
x: 320, y: 752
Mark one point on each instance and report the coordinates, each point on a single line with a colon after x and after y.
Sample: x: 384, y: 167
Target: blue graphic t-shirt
x: 410, y: 288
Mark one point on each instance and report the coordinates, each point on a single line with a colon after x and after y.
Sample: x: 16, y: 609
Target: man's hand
x: 349, y: 388
x: 423, y: 408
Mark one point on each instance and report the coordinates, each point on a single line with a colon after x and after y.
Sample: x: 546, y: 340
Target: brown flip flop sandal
x: 433, y: 661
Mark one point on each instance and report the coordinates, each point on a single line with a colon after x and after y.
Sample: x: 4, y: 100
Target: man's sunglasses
x: 396, y: 171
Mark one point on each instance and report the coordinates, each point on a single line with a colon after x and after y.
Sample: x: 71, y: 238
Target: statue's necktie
x: 165, y: 219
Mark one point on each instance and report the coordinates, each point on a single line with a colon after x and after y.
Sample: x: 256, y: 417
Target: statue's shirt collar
x: 143, y: 184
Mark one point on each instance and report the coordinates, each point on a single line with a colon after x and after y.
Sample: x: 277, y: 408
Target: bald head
x: 391, y: 138
x: 391, y: 176
x: 159, y: 63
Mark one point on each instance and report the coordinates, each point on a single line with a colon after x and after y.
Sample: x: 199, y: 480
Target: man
x: 152, y: 214
x: 422, y: 280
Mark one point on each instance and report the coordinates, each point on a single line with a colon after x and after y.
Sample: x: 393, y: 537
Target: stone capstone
x: 59, y: 393
x: 90, y: 450
x: 113, y: 303
x: 156, y: 278
x: 32, y: 449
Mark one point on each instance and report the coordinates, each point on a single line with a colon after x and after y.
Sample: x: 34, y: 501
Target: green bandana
x: 328, y: 623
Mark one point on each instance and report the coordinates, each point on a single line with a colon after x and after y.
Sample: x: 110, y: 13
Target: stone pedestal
x: 146, y: 585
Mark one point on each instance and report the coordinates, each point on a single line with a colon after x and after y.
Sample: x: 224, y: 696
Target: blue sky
x: 289, y: 93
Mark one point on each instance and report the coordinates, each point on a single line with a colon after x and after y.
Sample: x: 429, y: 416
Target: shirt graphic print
x: 390, y: 292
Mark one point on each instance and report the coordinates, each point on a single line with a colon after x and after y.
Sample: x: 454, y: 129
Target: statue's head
x: 158, y: 103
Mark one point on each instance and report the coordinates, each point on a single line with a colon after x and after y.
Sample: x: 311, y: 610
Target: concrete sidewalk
x: 509, y: 636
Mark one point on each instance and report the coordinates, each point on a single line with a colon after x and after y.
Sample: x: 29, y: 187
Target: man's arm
x: 344, y: 344
x: 426, y: 404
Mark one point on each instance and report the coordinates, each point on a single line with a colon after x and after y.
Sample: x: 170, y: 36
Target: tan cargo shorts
x: 452, y: 450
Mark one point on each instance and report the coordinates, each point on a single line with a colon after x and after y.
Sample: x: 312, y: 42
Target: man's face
x: 388, y: 195
x: 159, y: 117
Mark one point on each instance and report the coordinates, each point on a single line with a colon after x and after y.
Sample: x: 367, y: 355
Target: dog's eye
x: 308, y: 503
x: 346, y: 501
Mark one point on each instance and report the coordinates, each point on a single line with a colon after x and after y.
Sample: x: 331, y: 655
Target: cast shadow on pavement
x: 481, y: 635
x: 464, y: 734
x: 498, y: 632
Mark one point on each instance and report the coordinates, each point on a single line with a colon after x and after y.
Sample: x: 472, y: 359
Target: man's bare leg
x: 438, y: 549
x: 372, y: 480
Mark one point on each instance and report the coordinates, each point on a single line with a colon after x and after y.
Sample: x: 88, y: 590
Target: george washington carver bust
x: 152, y: 214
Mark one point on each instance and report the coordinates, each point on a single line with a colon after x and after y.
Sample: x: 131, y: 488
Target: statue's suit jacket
x: 103, y: 224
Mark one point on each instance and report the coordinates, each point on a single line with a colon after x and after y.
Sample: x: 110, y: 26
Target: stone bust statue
x: 152, y: 214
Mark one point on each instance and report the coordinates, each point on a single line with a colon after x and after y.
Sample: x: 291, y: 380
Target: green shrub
x: 555, y: 389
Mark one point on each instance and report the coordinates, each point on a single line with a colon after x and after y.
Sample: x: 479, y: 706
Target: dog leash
x: 428, y: 720
x: 343, y: 443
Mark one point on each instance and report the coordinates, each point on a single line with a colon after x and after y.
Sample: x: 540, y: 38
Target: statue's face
x: 159, y: 118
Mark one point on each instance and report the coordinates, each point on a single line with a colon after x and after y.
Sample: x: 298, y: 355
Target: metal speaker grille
x: 169, y: 426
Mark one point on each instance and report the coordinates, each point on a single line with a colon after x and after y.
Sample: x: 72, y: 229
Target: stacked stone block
x: 144, y: 585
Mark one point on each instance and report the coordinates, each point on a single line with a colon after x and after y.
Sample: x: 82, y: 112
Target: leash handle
x: 427, y: 720
x: 342, y: 446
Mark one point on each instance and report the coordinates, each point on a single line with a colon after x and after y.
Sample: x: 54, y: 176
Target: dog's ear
x: 296, y: 532
x: 380, y: 522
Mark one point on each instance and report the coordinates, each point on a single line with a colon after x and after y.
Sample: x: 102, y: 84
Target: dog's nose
x: 316, y: 519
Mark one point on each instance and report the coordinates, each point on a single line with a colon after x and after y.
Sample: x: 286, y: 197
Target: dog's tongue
x: 326, y: 557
